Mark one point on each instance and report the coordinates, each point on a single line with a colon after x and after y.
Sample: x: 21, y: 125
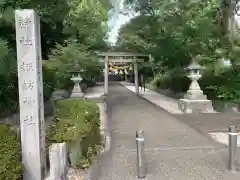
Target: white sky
x: 119, y: 21
x: 116, y: 21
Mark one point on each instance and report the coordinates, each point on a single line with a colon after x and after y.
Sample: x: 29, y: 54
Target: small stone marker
x: 30, y: 83
x: 58, y: 161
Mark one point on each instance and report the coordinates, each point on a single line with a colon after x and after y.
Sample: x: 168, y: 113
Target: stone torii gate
x: 121, y: 58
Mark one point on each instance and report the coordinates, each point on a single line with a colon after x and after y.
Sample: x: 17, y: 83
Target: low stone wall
x: 103, y: 126
x: 102, y: 104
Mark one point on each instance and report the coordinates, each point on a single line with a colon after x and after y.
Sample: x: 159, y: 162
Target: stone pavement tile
x: 130, y: 113
x: 210, y: 122
x: 203, y: 122
x: 172, y: 165
x: 96, y: 88
x: 95, y: 91
x: 161, y: 100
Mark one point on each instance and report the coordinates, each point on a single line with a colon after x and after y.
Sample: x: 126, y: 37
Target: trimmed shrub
x: 223, y: 86
x: 175, y: 81
x: 62, y: 81
x: 89, y: 82
x: 76, y: 121
x: 48, y: 82
x: 9, y: 91
x: 8, y: 95
x: 10, y: 154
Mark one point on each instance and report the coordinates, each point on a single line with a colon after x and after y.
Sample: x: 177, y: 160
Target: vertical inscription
x: 41, y: 100
x: 26, y: 67
x: 30, y: 92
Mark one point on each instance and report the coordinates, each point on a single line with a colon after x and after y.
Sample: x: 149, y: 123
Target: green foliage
x: 76, y: 121
x: 9, y: 91
x: 7, y: 61
x: 10, y: 154
x: 55, y: 79
x: 224, y: 86
x: 48, y: 82
x: 64, y: 58
x: 175, y: 81
x: 73, y: 114
x: 79, y: 21
x: 85, y: 161
x: 8, y: 95
x: 87, y: 20
x: 175, y: 32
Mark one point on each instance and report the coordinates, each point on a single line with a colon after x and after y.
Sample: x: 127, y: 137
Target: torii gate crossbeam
x: 121, y: 57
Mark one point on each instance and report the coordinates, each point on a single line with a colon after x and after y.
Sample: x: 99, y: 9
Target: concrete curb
x: 79, y: 174
x: 106, y: 142
x: 105, y: 135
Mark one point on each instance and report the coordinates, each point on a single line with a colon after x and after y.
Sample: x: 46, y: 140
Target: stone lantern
x: 194, y: 100
x: 76, y: 78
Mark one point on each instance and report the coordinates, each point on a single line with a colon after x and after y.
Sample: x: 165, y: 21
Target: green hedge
x: 10, y: 154
x: 48, y: 82
x: 8, y: 95
x: 76, y: 121
x: 222, y: 86
x: 175, y: 80
x: 51, y: 80
x: 9, y: 91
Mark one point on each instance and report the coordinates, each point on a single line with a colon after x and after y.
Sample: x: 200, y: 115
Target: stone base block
x: 195, y: 106
x: 77, y: 95
x: 58, y: 162
x: 195, y: 95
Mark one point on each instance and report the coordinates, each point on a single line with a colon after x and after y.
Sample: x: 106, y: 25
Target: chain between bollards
x: 232, y: 144
x: 141, y: 171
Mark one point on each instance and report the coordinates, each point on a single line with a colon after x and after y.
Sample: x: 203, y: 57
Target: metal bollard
x: 232, y: 144
x: 140, y: 154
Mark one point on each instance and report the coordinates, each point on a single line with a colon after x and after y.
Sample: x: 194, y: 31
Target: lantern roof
x: 75, y: 68
x: 194, y: 66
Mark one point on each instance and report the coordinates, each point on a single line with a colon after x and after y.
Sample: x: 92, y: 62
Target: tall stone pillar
x: 136, y: 78
x: 106, y: 76
x: 29, y: 60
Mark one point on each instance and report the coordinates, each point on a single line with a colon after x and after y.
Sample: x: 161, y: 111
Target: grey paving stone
x: 177, y: 165
x: 175, y: 151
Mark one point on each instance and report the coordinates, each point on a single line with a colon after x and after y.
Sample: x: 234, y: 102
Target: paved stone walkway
x: 94, y: 92
x: 174, y: 151
x: 161, y: 100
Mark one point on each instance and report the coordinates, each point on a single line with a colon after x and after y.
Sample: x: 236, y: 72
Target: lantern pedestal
x: 77, y: 91
x: 195, y: 106
x: 195, y: 101
x: 195, y: 92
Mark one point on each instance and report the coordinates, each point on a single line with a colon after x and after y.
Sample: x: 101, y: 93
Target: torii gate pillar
x: 136, y: 78
x: 106, y: 76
